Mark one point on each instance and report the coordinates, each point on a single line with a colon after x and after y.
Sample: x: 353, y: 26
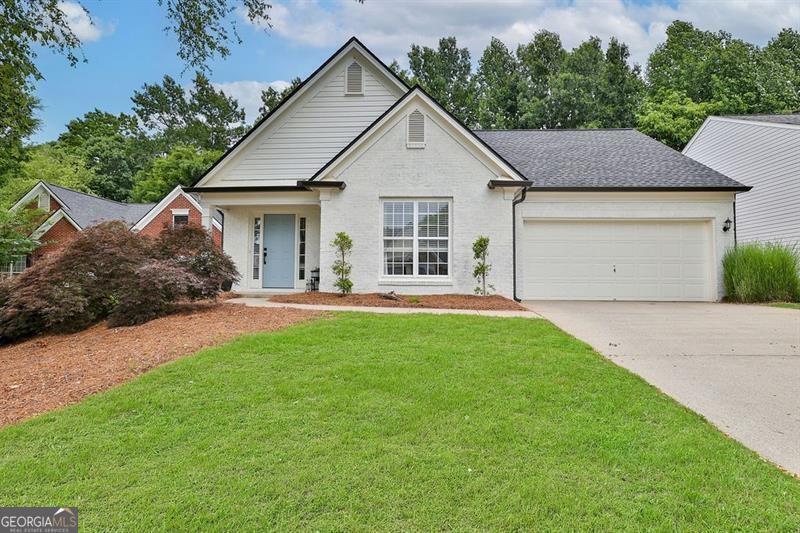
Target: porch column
x: 207, y: 216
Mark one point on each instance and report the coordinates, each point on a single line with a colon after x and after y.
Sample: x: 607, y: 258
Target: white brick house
x: 590, y: 214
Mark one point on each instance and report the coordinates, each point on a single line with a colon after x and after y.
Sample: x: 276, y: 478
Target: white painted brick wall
x: 443, y: 169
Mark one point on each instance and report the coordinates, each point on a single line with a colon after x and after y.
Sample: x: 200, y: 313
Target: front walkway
x: 737, y: 365
x: 265, y: 302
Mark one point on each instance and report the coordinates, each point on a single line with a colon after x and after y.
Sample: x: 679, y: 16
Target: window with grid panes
x: 416, y: 238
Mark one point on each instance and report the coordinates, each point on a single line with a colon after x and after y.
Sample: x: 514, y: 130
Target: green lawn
x: 787, y: 305
x: 392, y: 422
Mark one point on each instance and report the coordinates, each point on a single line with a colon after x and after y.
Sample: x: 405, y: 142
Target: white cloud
x: 389, y: 27
x: 82, y: 25
x: 248, y: 93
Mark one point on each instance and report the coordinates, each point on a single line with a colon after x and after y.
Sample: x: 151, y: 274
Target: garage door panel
x: 616, y: 259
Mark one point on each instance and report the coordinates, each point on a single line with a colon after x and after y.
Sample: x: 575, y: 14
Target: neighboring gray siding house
x: 761, y: 151
x: 589, y: 214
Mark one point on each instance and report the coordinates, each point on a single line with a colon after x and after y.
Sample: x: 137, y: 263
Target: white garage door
x: 616, y: 260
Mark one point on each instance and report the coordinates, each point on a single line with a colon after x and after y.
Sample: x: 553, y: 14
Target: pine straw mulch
x: 431, y: 301
x: 51, y: 371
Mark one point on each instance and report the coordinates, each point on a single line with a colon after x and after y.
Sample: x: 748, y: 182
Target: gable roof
x: 597, y: 159
x: 87, y: 210
x: 419, y: 92
x: 51, y: 221
x: 261, y: 124
x: 792, y: 119
x: 152, y: 213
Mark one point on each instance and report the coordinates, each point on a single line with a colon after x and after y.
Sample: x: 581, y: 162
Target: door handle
x: 265, y: 256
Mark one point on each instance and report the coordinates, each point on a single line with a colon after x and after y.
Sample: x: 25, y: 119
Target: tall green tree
x: 446, y: 73
x: 205, y: 29
x: 694, y: 72
x: 574, y: 97
x: 498, y: 84
x: 112, y: 147
x: 51, y: 163
x: 15, y: 233
x: 621, y: 88
x: 182, y: 166
x: 781, y: 69
x: 672, y: 117
x: 271, y: 97
x: 540, y: 60
x: 203, y: 116
x: 402, y: 73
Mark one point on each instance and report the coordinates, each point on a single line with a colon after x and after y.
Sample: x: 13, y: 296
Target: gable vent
x: 416, y: 130
x: 354, y: 82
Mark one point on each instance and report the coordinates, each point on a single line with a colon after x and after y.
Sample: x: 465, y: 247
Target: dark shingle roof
x: 592, y: 158
x: 776, y: 119
x: 88, y: 210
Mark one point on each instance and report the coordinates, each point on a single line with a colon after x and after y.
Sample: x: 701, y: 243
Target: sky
x: 125, y: 44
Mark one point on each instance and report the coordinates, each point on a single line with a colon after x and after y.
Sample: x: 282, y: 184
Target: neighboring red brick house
x: 178, y: 207
x: 70, y: 212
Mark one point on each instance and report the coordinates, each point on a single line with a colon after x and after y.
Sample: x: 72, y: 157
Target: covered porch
x: 272, y: 237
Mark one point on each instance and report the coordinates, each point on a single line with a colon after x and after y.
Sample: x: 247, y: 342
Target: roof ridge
x: 553, y: 129
x: 91, y: 195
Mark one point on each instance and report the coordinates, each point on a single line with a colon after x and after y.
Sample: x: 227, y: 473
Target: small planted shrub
x: 480, y: 251
x: 761, y: 272
x: 110, y: 272
x: 343, y: 245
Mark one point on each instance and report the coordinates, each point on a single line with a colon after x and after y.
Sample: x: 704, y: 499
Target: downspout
x: 514, y: 242
x: 735, y: 239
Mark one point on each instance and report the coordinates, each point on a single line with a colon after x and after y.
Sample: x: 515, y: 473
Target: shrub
x: 153, y: 291
x: 190, y: 247
x: 761, y: 273
x: 110, y: 272
x: 480, y: 252
x: 343, y: 245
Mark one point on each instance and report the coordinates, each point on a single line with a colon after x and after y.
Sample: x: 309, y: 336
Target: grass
x: 786, y: 305
x: 378, y: 422
x: 761, y: 272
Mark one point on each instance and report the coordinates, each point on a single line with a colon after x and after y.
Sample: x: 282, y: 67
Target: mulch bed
x: 51, y: 371
x: 440, y: 301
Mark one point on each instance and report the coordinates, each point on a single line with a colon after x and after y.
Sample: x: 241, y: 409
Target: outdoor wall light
x: 726, y: 225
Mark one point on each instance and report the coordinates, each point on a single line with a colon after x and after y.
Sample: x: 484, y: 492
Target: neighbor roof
x: 601, y: 159
x: 88, y: 210
x: 793, y: 119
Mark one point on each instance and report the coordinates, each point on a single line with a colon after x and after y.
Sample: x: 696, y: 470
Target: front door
x: 278, y: 253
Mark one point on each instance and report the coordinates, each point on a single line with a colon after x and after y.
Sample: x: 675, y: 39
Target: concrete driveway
x: 737, y: 365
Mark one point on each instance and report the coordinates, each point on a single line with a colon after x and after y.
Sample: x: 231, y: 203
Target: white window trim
x: 174, y: 214
x: 416, y: 278
x: 347, y: 76
x: 416, y: 145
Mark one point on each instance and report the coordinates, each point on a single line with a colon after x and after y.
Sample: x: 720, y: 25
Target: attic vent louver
x: 416, y: 130
x: 354, y: 82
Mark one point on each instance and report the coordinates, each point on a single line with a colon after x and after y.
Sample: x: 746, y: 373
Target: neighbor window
x: 179, y: 220
x: 416, y: 238
x: 256, y: 247
x: 302, y: 246
x: 16, y: 267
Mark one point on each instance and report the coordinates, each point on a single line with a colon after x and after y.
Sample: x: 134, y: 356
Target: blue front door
x: 278, y: 253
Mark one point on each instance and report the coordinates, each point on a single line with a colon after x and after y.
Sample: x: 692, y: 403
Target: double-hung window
x: 416, y: 238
